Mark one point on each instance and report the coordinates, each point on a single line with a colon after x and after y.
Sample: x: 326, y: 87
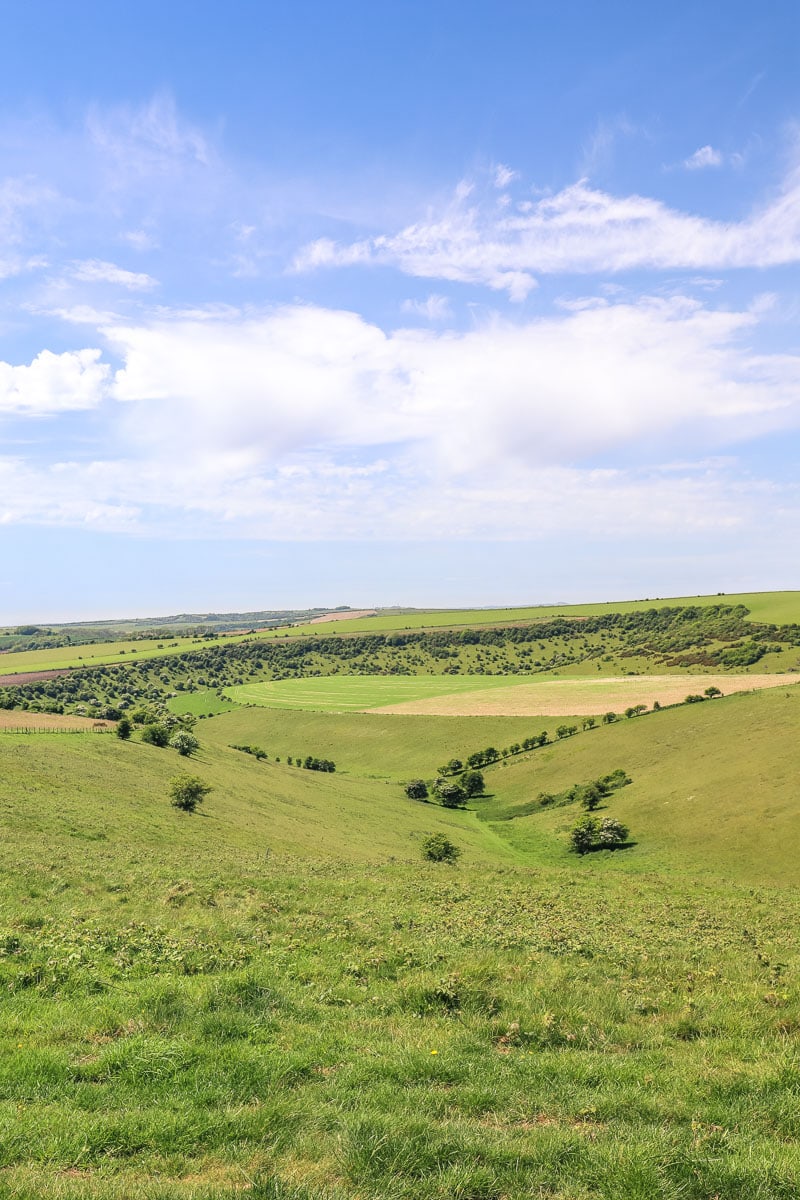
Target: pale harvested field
x: 589, y: 697
x: 352, y: 615
x: 18, y: 719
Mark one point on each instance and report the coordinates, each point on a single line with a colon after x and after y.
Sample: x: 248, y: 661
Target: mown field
x: 476, y: 695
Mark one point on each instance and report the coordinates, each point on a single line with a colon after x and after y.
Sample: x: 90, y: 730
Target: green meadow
x: 353, y: 693
x: 279, y: 997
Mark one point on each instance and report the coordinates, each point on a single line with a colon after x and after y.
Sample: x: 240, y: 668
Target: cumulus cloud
x: 303, y: 422
x: 94, y: 270
x: 54, y: 383
x: 706, y: 156
x: 580, y: 229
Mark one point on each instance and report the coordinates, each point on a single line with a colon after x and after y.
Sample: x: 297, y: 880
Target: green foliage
x: 473, y: 783
x: 417, y: 789
x: 156, y: 734
x: 438, y: 848
x: 451, y: 795
x: 124, y: 729
x: 184, y: 742
x: 589, y: 833
x: 187, y: 791
x: 256, y: 751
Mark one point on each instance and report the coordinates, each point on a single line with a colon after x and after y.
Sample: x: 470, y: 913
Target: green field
x: 277, y: 997
x: 353, y: 693
x: 770, y: 607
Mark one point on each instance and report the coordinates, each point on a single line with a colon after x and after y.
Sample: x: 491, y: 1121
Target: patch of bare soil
x: 30, y: 676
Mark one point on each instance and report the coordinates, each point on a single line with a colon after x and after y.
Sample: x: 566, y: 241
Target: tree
x: 124, y: 729
x: 184, y: 742
x: 712, y: 692
x: 155, y: 734
x: 473, y: 784
x: 417, y: 789
x: 583, y: 835
x: 612, y: 832
x: 609, y: 718
x: 452, y: 795
x: 591, y: 796
x: 438, y: 848
x: 187, y: 791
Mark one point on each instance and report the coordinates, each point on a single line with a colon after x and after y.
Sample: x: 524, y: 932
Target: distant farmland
x: 477, y: 695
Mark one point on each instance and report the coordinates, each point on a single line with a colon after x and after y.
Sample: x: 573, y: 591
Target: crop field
x: 17, y: 719
x: 356, y: 693
x: 478, y: 695
x: 590, y: 697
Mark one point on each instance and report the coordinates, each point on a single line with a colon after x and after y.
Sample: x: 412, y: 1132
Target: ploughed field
x: 478, y: 695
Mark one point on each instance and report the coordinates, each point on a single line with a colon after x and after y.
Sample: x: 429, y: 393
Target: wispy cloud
x: 578, y: 230
x: 705, y: 156
x: 432, y: 308
x: 94, y: 270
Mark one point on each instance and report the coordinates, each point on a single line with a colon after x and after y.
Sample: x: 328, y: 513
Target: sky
x: 446, y: 303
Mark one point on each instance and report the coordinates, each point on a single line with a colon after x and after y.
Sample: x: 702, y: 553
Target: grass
x: 355, y: 693
x: 373, y: 745
x: 204, y: 703
x: 477, y: 695
x: 277, y: 997
x: 781, y: 607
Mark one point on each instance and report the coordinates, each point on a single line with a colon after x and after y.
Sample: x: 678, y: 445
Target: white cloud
x: 433, y: 308
x: 503, y: 176
x: 54, y: 383
x: 94, y: 270
x: 304, y: 422
x: 580, y: 229
x: 706, y: 156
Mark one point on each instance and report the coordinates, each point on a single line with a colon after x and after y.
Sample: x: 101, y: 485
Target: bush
x: 124, y: 729
x: 187, y: 791
x: 417, y: 789
x: 473, y: 784
x: 438, y: 848
x: 184, y: 742
x: 591, y: 834
x: 452, y: 795
x: 155, y: 734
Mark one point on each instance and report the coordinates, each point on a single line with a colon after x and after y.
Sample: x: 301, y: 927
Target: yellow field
x: 17, y: 720
x: 565, y: 697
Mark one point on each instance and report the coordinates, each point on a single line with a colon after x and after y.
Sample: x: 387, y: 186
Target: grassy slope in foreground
x: 715, y: 787
x: 186, y: 1018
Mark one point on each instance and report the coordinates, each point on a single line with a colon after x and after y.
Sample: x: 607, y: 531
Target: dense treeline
x: 715, y: 637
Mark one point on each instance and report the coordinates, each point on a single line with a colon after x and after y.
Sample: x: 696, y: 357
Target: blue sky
x: 443, y: 303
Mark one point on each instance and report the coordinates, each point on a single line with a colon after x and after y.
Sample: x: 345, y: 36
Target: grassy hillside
x: 370, y: 745
x: 258, y: 1001
x: 715, y: 788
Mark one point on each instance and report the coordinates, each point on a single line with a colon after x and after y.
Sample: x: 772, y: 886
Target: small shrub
x: 155, y: 734
x: 187, y: 791
x: 438, y: 848
x: 184, y: 742
x: 417, y: 789
x: 124, y: 729
x: 451, y: 795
